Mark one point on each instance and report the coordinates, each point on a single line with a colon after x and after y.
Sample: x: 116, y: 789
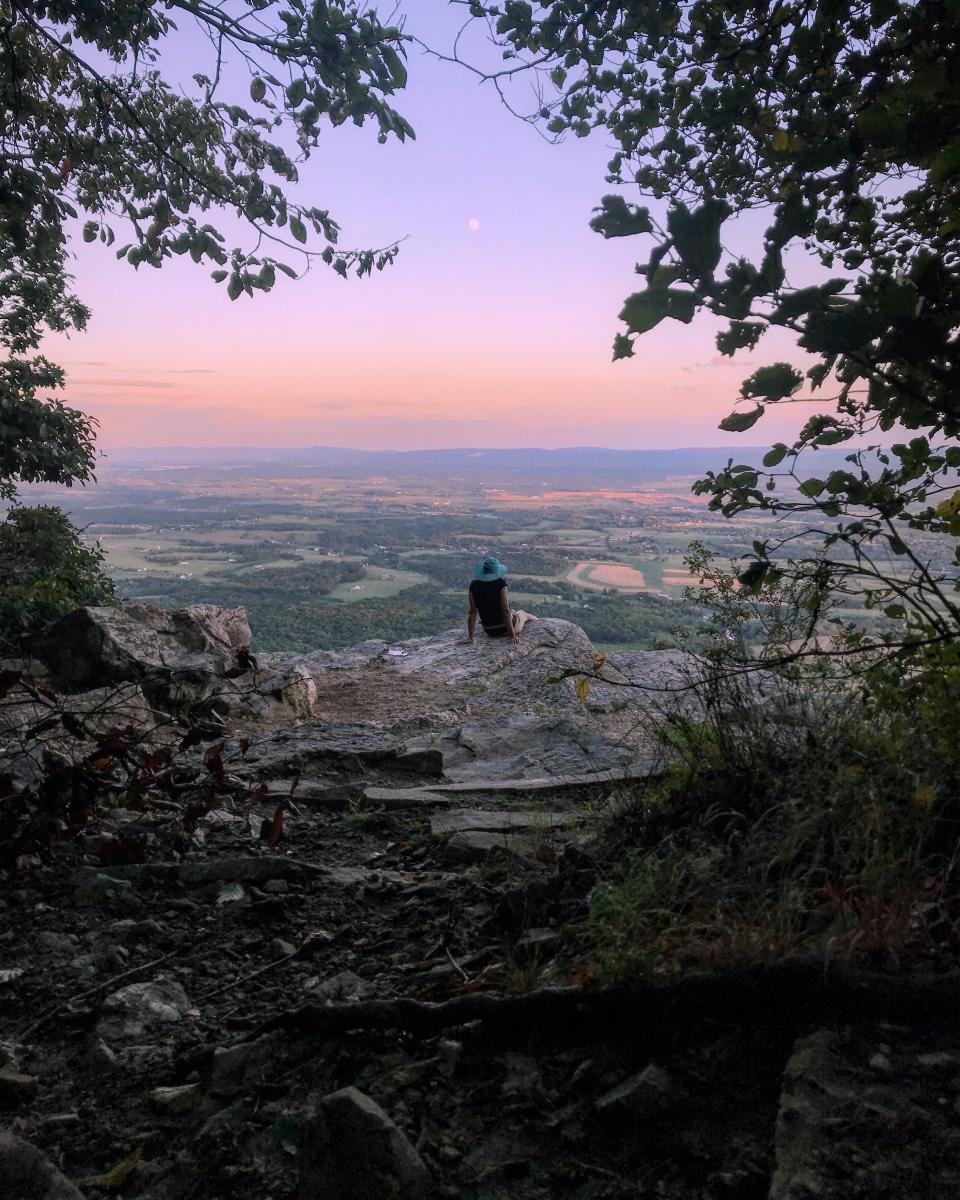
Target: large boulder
x: 95, y: 647
x: 353, y: 1151
x: 27, y: 1174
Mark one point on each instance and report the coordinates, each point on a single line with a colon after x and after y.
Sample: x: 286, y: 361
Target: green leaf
x: 258, y: 89
x: 296, y: 92
x: 812, y: 487
x: 617, y: 218
x: 772, y: 383
x: 737, y: 422
x: 644, y: 310
x: 235, y: 286
x: 696, y: 235
x: 298, y: 229
x: 776, y: 455
x: 396, y: 66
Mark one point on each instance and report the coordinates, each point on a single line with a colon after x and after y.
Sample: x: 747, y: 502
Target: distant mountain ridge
x: 566, y: 467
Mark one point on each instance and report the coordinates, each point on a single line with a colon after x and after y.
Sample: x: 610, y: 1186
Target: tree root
x: 789, y: 992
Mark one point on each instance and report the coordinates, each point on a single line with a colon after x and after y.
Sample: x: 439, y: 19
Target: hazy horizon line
x: 438, y: 449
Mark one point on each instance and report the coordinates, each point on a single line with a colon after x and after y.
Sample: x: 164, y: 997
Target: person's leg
x: 520, y: 618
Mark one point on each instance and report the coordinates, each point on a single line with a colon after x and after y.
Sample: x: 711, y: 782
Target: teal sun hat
x: 489, y: 569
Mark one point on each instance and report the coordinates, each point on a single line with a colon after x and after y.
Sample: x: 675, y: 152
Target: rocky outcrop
x: 196, y: 660
x: 488, y: 711
x: 95, y: 647
x: 192, y: 661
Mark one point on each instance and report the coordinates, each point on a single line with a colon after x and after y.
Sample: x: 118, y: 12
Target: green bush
x: 45, y: 572
x: 809, y: 808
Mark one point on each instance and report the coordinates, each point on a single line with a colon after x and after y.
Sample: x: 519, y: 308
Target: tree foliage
x: 45, y: 572
x: 839, y: 120
x: 98, y: 141
x: 94, y: 131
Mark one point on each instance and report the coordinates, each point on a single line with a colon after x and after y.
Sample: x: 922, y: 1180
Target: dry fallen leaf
x: 118, y: 1176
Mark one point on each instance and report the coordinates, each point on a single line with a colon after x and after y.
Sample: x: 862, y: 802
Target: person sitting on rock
x: 488, y: 597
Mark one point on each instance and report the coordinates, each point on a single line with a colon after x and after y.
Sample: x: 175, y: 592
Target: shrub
x: 46, y: 571
x: 810, y: 808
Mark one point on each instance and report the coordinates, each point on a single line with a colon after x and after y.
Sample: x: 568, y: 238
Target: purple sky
x: 495, y: 335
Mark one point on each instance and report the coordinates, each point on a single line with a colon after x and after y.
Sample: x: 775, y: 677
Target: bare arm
x: 507, y: 619
x: 471, y: 621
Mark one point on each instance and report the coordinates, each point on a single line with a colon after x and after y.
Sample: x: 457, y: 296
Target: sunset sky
x: 493, y: 328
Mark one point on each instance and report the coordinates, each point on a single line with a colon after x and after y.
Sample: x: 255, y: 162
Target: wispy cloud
x: 190, y: 371
x: 119, y: 409
x: 121, y: 383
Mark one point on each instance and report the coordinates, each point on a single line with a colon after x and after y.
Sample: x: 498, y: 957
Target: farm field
x: 320, y: 563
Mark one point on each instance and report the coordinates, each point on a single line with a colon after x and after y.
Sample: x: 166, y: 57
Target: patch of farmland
x: 600, y: 575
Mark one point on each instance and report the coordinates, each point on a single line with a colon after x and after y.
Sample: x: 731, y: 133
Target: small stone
x: 880, y: 1062
x: 231, y: 893
x: 101, y: 1058
x: 133, y: 1010
x: 650, y: 1094
x: 344, y: 986
x: 176, y: 1099
x: 62, y: 1120
x: 276, y: 887
x: 237, y: 1067
x: 49, y: 939
x: 27, y: 1173
x: 938, y: 1061
x: 538, y: 939
x: 16, y: 1088
x: 282, y: 949
x: 93, y: 889
x: 351, y: 1150
x: 583, y: 1074
x: 448, y: 1053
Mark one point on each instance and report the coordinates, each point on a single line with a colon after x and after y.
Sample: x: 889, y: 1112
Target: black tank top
x: 487, y: 598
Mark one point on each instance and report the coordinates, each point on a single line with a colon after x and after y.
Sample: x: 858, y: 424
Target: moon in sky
x: 473, y: 224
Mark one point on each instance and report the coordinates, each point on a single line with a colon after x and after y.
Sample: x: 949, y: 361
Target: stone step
x: 499, y: 821
x: 437, y: 790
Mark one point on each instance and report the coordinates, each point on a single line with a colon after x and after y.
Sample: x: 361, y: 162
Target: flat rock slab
x: 353, y: 745
x: 474, y: 845
x: 440, y: 790
x: 500, y: 821
x: 404, y: 797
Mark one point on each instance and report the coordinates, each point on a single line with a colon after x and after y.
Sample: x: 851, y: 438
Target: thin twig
x: 90, y: 992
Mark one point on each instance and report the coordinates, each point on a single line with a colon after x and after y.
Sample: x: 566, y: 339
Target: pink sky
x: 496, y: 335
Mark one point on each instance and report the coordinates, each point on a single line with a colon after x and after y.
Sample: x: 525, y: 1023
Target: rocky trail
x: 200, y: 976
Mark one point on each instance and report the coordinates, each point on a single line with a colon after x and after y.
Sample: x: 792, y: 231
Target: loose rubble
x: 434, y: 841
